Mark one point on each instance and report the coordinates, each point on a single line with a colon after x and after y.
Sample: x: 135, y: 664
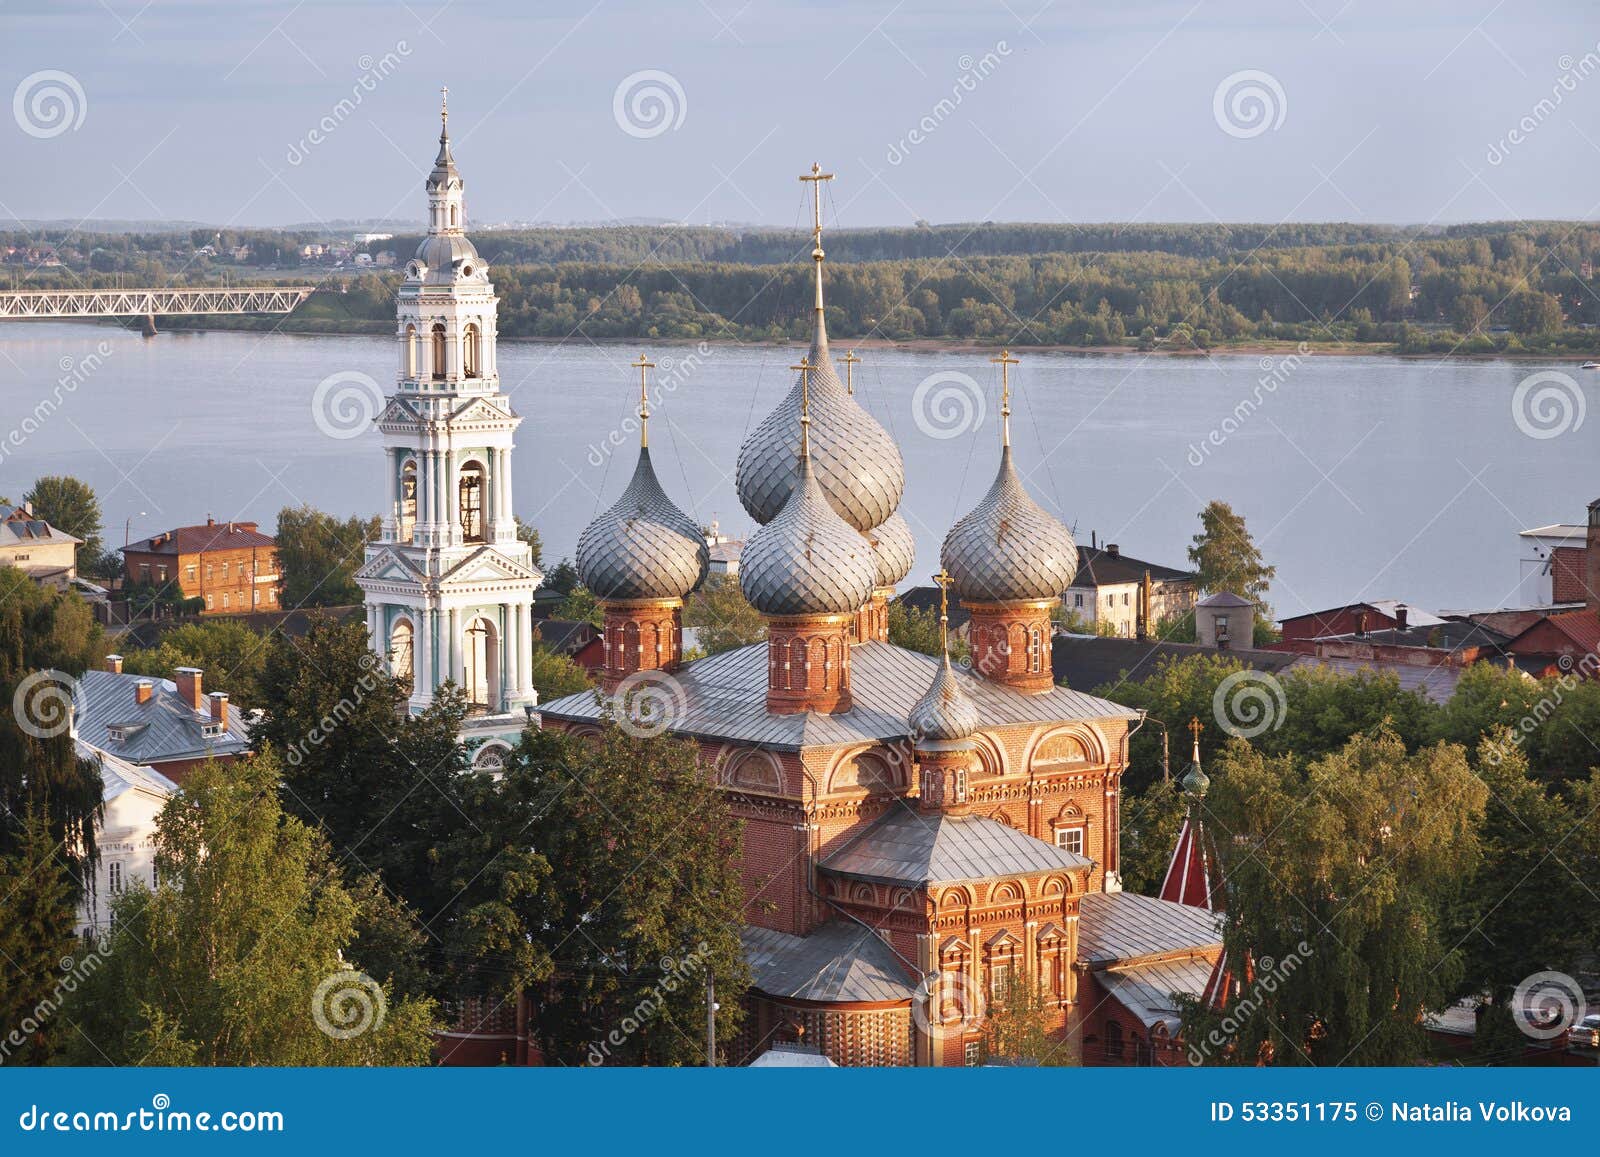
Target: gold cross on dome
x: 850, y: 361
x: 1005, y: 361
x: 1196, y: 727
x: 444, y: 102
x: 816, y: 176
x: 642, y: 365
x: 805, y: 367
x: 944, y: 580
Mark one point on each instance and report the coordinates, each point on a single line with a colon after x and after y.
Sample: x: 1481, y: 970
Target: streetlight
x: 127, y: 528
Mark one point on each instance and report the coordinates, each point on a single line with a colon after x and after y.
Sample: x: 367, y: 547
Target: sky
x: 1406, y: 111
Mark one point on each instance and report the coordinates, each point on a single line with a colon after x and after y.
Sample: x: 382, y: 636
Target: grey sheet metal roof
x: 1146, y: 990
x: 1119, y: 927
x: 164, y: 728
x: 725, y: 697
x: 118, y: 775
x: 1437, y: 683
x: 840, y: 962
x: 788, y: 1056
x: 912, y: 847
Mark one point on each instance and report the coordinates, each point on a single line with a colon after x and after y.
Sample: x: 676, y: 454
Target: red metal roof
x: 1188, y: 878
x: 200, y: 539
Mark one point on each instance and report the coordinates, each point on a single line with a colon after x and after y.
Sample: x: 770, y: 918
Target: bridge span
x: 148, y: 303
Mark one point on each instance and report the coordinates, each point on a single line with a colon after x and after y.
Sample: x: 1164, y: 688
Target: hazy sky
x: 1368, y: 111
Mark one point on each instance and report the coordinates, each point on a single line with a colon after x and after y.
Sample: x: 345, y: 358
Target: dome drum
x: 1011, y: 642
x: 808, y: 664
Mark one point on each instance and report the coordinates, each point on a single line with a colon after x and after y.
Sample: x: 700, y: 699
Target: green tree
x: 721, y: 617
x: 643, y: 897
x: 1227, y: 559
x: 240, y: 960
x: 563, y: 577
x: 554, y: 675
x: 580, y: 606
x: 1151, y: 821
x: 530, y: 536
x: 70, y: 505
x: 1470, y: 313
x: 1533, y: 312
x: 1348, y: 867
x: 37, y: 899
x: 318, y: 556
x: 232, y: 655
x: 917, y: 629
x: 1017, y: 1029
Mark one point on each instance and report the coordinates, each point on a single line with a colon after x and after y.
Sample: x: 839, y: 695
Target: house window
x: 255, y: 598
x: 971, y: 1054
x: 1113, y: 1041
x: 272, y: 595
x: 224, y: 598
x: 1070, y: 840
x: 1111, y: 600
x: 209, y: 602
x: 161, y: 574
x: 190, y: 571
x: 1077, y: 600
x: 144, y: 572
x: 1222, y: 623
x: 114, y: 878
x: 1124, y: 598
x: 224, y: 572
x: 210, y: 571
x: 999, y: 982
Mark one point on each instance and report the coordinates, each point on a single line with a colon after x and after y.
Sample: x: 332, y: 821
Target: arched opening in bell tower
x: 482, y: 667
x: 471, y: 351
x: 470, y: 504
x: 408, y: 500
x: 436, y: 356
x: 402, y: 665
x: 411, y: 351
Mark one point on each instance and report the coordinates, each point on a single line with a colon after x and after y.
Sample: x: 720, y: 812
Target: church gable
x: 487, y: 565
x: 390, y: 567
x: 481, y: 410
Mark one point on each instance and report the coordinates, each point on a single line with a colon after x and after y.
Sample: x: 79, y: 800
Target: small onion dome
x: 1009, y: 549
x: 857, y: 464
x: 944, y: 714
x: 893, y: 548
x: 644, y: 547
x: 807, y: 560
x: 1195, y: 781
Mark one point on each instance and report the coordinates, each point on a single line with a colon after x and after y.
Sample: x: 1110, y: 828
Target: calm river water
x: 1359, y: 477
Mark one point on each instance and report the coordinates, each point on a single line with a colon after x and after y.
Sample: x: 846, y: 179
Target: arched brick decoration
x: 872, y: 770
x: 991, y: 758
x: 1068, y: 747
x: 755, y: 770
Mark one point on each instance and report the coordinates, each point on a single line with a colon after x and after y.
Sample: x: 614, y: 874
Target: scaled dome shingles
x: 1009, y: 549
x: 643, y: 547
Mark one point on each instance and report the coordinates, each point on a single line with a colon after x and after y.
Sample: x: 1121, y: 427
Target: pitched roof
x: 927, y: 599
x: 18, y: 527
x: 1188, y: 878
x: 199, y: 539
x: 1146, y: 990
x: 913, y: 848
x: 1437, y: 682
x: 1102, y: 568
x: 840, y: 962
x: 724, y: 696
x: 164, y: 728
x: 1387, y: 607
x: 118, y: 776
x: 790, y: 1056
x: 1122, y: 927
x: 1582, y: 627
x: 1087, y: 662
x: 1224, y: 599
x: 565, y: 636
x: 1451, y: 634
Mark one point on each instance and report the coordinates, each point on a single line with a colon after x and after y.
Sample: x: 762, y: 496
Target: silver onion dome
x: 857, y: 464
x: 893, y: 548
x: 1009, y: 549
x: 644, y: 547
x: 944, y: 713
x: 807, y: 560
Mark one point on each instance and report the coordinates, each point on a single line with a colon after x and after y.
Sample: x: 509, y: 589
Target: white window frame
x: 1067, y: 836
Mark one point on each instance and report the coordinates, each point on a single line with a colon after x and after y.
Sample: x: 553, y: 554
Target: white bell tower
x: 449, y: 586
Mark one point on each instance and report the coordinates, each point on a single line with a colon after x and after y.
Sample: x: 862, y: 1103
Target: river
x: 1360, y: 477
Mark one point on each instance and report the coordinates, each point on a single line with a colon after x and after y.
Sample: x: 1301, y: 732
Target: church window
x: 401, y: 639
x: 411, y: 351
x: 471, y: 502
x: 972, y: 1054
x: 408, y: 500
x: 436, y: 355
x: 1070, y: 840
x: 471, y: 351
x: 999, y: 982
x: 1113, y: 1041
x: 482, y: 666
x: 455, y: 216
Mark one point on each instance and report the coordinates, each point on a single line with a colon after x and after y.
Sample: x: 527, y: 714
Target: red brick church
x: 922, y: 839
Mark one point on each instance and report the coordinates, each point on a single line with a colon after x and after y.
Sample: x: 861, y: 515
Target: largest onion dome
x: 807, y: 560
x: 857, y: 464
x: 894, y: 549
x: 944, y: 713
x: 644, y: 547
x: 1009, y: 549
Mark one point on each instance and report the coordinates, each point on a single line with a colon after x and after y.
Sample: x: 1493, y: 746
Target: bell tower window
x: 401, y: 638
x: 411, y: 351
x: 437, y: 354
x: 408, y: 500
x: 455, y: 216
x: 471, y: 502
x: 471, y: 351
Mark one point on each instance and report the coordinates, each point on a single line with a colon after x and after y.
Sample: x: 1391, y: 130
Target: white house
x: 1550, y: 565
x: 133, y: 797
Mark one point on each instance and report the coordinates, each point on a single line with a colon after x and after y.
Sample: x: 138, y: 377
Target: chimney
x: 1113, y: 550
x: 1400, y: 613
x: 114, y: 664
x: 189, y: 681
x: 1361, y: 625
x: 219, y: 707
x: 210, y: 521
x: 143, y: 690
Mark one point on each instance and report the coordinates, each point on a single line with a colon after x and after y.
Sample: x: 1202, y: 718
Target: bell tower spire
x: 815, y: 177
